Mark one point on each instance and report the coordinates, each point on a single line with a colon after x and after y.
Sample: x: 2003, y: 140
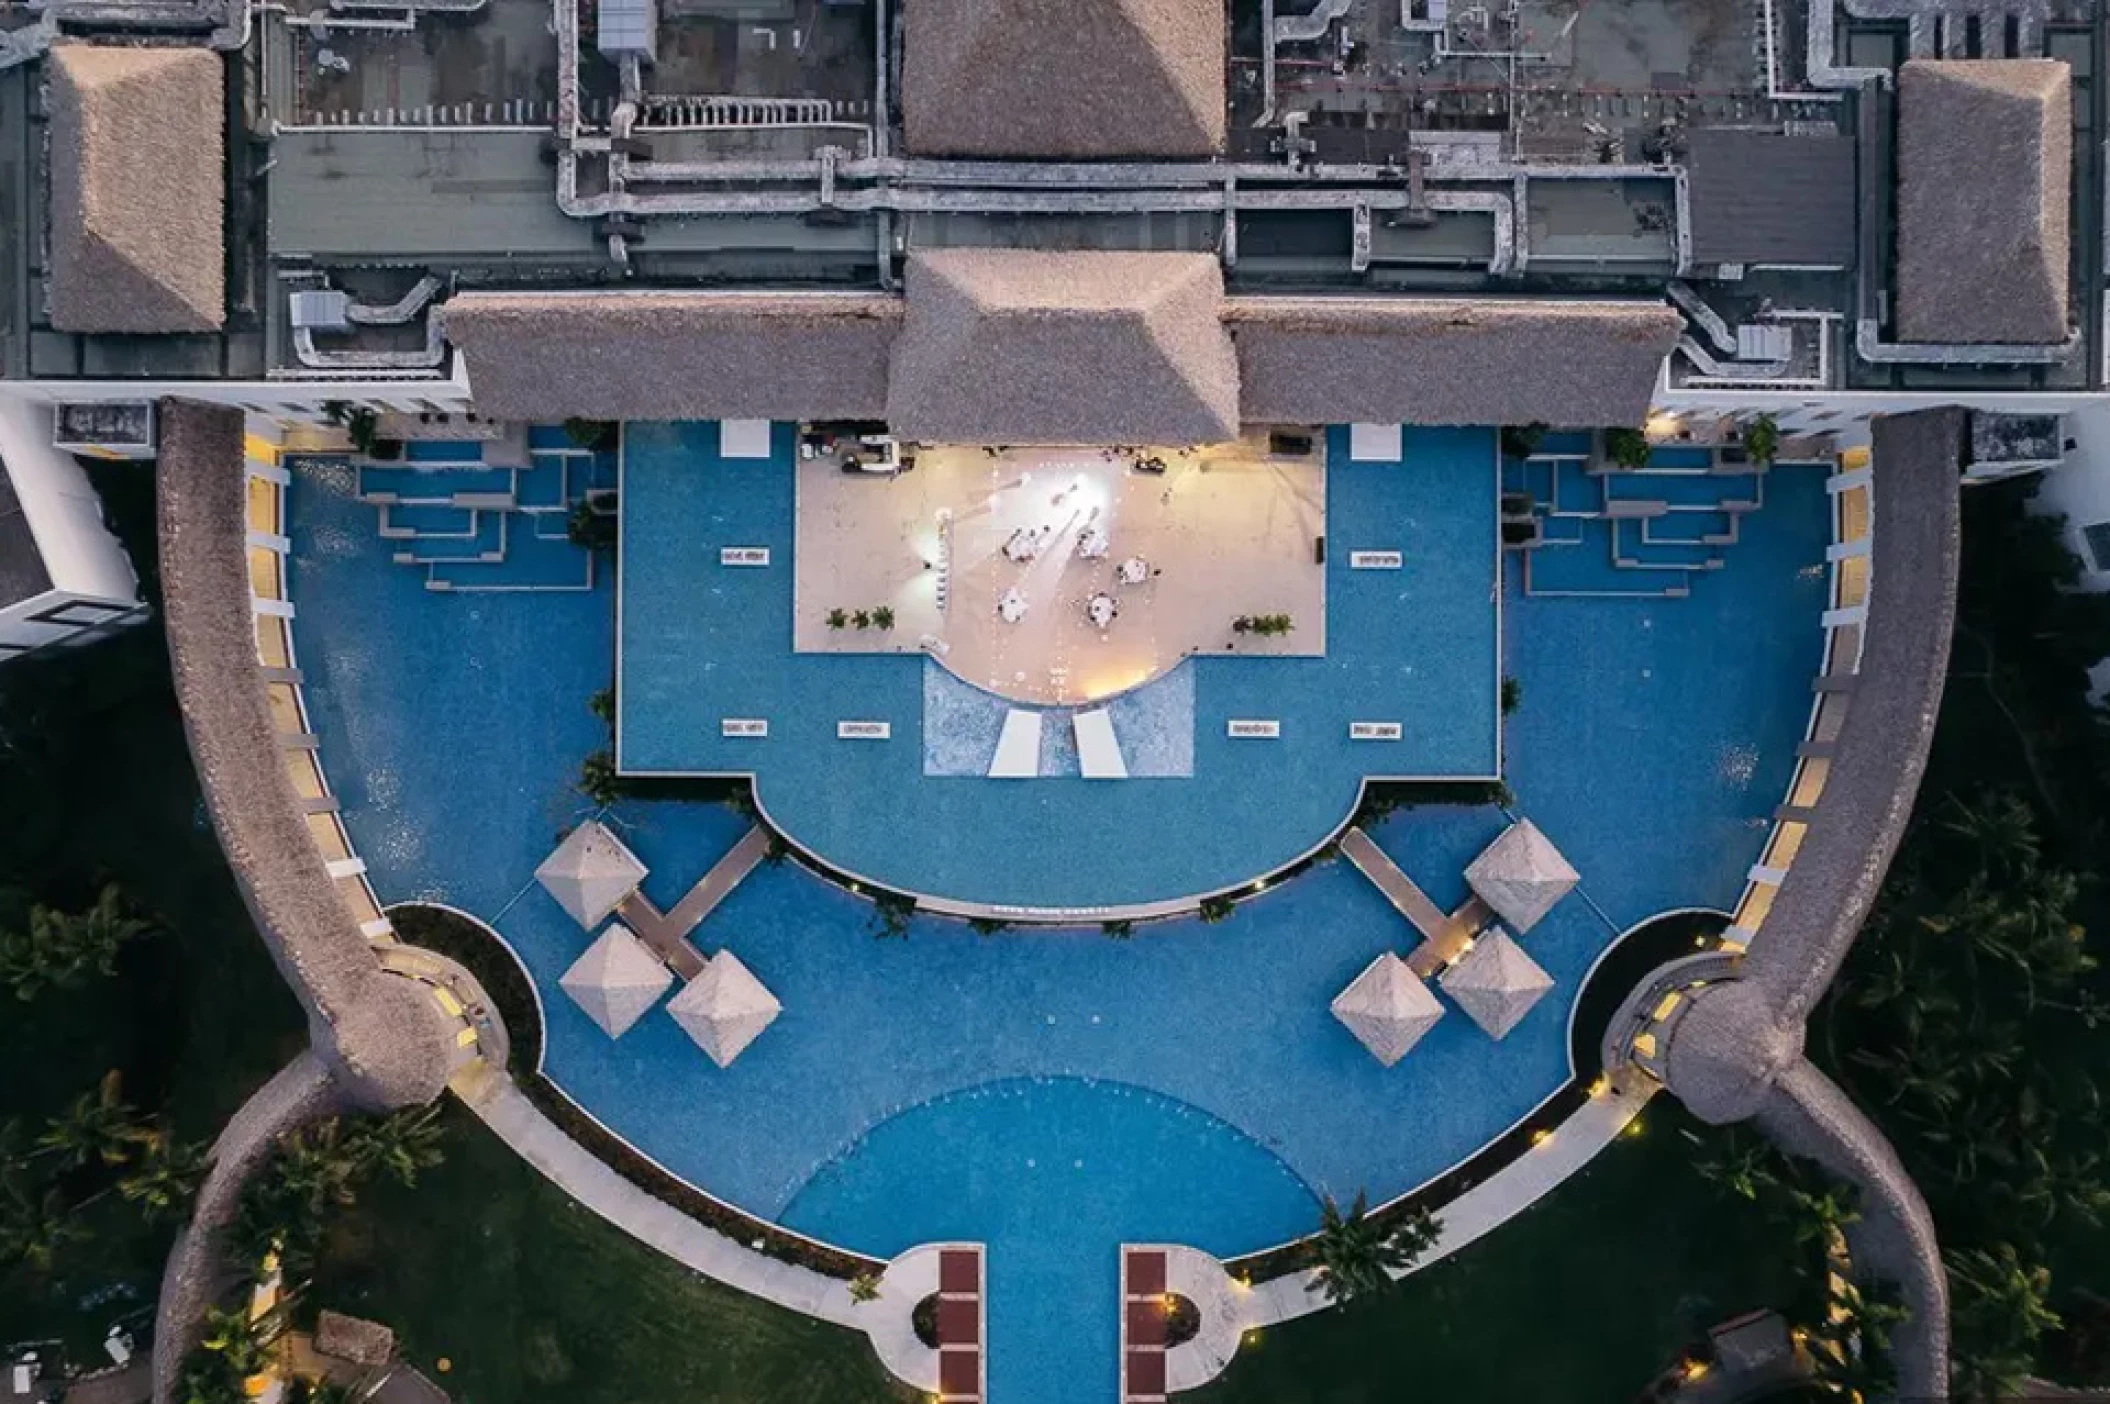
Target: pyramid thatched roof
x: 590, y: 873
x: 1521, y: 875
x: 1063, y: 78
x: 617, y: 980
x: 1985, y: 158
x: 725, y: 1008
x: 1496, y: 983
x: 1014, y: 346
x: 1387, y: 1008
x: 138, y: 189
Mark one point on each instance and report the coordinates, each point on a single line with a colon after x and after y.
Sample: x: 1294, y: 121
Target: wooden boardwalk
x: 1443, y: 938
x: 667, y: 933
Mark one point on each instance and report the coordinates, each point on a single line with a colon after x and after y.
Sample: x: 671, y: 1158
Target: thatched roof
x: 383, y: 1036
x: 353, y: 1339
x: 1387, y: 1008
x: 1496, y: 983
x: 1063, y: 78
x: 1411, y: 360
x: 1985, y: 157
x: 617, y: 980
x: 685, y: 355
x: 1011, y: 346
x: 725, y: 1008
x: 590, y: 873
x: 1521, y: 875
x: 138, y: 189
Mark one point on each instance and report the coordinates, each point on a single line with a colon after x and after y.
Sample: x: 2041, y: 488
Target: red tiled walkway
x: 962, y: 1373
x: 1142, y: 1326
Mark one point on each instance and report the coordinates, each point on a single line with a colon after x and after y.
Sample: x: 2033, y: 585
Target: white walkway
x: 1482, y: 1209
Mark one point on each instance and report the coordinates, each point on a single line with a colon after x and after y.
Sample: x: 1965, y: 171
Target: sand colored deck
x: 1226, y: 530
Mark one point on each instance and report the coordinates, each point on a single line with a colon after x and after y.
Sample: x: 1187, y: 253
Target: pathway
x: 1443, y: 938
x: 1485, y: 1207
x: 667, y: 933
x: 501, y: 1105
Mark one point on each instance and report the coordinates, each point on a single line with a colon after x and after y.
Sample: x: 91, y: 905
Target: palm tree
x: 34, y: 1228
x: 98, y: 1126
x: 399, y: 1145
x: 1746, y: 1167
x: 1850, y: 1347
x: 167, y: 1177
x: 2002, y: 830
x: 207, y: 1380
x: 242, y: 1342
x: 2000, y: 1308
x: 1358, y: 1255
x: 61, y: 949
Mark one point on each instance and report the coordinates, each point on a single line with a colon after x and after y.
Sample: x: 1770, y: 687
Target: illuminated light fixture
x: 1541, y: 1136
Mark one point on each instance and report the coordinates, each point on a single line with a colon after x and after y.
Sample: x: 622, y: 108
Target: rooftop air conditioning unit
x: 323, y: 309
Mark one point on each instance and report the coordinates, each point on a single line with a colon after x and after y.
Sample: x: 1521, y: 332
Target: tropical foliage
x: 55, y: 949
x: 1359, y: 1256
x: 1969, y: 1018
x: 1627, y: 448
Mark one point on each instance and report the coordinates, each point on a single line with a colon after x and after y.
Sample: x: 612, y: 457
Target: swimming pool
x: 1053, y: 1175
x: 1652, y: 742
x: 700, y: 643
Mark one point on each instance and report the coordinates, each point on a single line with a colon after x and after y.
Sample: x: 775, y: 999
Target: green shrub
x: 1214, y: 909
x: 1627, y: 448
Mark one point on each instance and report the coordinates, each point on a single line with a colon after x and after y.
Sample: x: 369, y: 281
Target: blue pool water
x: 701, y: 643
x: 1053, y: 1175
x: 1653, y: 740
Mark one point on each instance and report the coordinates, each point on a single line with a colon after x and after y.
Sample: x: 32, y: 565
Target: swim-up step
x: 529, y: 563
x: 402, y: 521
x: 1017, y: 747
x: 1098, y: 749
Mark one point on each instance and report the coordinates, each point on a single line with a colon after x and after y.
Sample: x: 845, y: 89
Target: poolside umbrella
x: 590, y: 874
x: 1388, y: 1008
x: 617, y: 980
x: 1496, y: 983
x: 724, y: 1008
x: 1521, y: 875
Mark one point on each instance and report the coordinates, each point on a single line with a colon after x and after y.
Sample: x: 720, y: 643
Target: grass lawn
x: 1585, y: 1297
x: 97, y: 786
x: 529, y: 1297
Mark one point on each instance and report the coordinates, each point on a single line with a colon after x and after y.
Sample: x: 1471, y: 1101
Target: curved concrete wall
x: 382, y: 1036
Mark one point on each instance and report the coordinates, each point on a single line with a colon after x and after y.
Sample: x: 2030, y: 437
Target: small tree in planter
x: 1358, y: 1255
x: 1214, y: 909
x: 883, y: 617
x: 1243, y: 624
x: 1522, y: 440
x: 590, y: 530
x: 862, y: 619
x: 598, y: 780
x: 1762, y: 439
x: 838, y: 618
x: 1627, y: 448
x: 864, y: 1288
x: 361, y: 426
x: 589, y: 433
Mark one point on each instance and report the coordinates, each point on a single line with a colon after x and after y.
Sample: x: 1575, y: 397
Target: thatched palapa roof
x: 138, y: 157
x: 1387, y: 1008
x: 691, y: 355
x: 617, y: 981
x: 1010, y: 346
x: 725, y: 1008
x: 1496, y: 983
x: 590, y: 873
x: 1985, y: 157
x: 1409, y: 360
x: 1075, y: 79
x: 1521, y: 875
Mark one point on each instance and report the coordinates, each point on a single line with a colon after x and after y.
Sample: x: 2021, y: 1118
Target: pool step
x: 462, y: 485
x: 1707, y: 528
x: 1631, y: 551
x: 401, y: 521
x: 529, y: 563
x: 487, y: 542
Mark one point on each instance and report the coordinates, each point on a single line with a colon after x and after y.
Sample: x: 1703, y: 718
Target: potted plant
x: 837, y: 618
